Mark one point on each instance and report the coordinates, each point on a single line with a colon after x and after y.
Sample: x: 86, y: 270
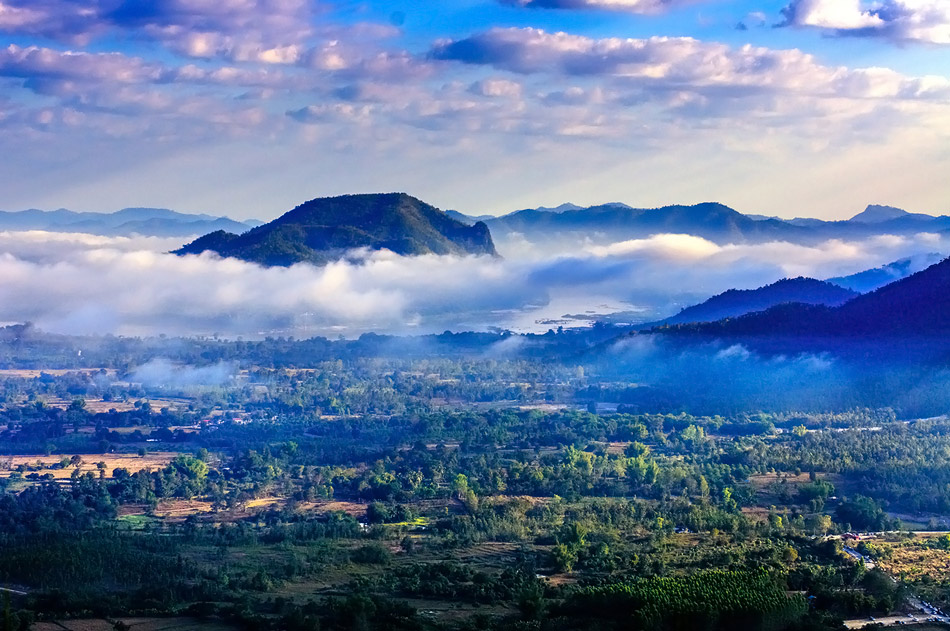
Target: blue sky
x: 248, y: 107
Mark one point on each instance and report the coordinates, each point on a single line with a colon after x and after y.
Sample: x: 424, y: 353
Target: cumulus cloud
x: 73, y: 22
x: 647, y: 7
x: 267, y: 31
x: 681, y: 63
x: 900, y: 20
x: 37, y: 63
x: 139, y: 289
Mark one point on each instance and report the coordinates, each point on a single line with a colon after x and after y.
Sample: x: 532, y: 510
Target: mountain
x: 872, y: 279
x: 160, y: 222
x: 324, y: 229
x: 914, y: 307
x: 738, y: 302
x: 875, y: 213
x: 567, y: 225
x: 468, y: 220
x: 616, y: 222
x: 563, y: 208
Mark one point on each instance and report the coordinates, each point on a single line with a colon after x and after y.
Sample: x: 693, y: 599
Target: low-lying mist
x: 83, y: 284
x: 164, y: 374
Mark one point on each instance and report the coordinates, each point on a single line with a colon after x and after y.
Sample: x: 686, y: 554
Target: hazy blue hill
x: 916, y: 306
x: 872, y: 279
x: 737, y: 302
x: 144, y: 221
x: 617, y: 221
x: 710, y: 220
x: 324, y: 229
x: 876, y: 213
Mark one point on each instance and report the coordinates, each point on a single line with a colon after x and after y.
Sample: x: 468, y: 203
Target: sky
x: 246, y: 108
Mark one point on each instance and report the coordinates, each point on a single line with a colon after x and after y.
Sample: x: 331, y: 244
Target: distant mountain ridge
x: 872, y: 279
x: 739, y: 302
x: 566, y: 224
x: 614, y: 222
x: 711, y: 220
x: 325, y: 229
x: 128, y: 221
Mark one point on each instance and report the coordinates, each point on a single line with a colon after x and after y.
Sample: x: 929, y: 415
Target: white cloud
x: 834, y: 14
x: 139, y: 289
x: 682, y: 63
x: 925, y: 21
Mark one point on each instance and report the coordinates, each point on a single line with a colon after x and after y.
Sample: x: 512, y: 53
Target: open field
x: 42, y: 464
x: 177, y: 510
x: 915, y: 559
x: 98, y: 406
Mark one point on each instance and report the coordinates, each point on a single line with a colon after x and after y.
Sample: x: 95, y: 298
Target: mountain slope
x: 872, y: 279
x: 916, y: 306
x: 324, y: 229
x: 738, y: 302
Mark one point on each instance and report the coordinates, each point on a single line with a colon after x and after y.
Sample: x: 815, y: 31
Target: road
x: 857, y: 556
x: 892, y: 621
x: 13, y: 591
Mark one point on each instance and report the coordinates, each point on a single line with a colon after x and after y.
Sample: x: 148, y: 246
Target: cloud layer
x: 141, y: 290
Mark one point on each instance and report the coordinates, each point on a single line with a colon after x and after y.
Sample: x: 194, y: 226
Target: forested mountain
x: 738, y: 302
x: 324, y: 229
x: 916, y: 306
x: 159, y: 222
x: 872, y: 279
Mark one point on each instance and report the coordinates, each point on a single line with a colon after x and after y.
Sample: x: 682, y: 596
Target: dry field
x: 131, y: 462
x: 177, y: 510
x: 769, y: 485
x: 915, y: 559
x: 98, y: 406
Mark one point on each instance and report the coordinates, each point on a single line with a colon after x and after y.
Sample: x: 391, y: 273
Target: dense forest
x: 435, y: 491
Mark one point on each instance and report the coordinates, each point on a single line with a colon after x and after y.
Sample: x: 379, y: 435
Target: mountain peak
x: 324, y: 229
x: 876, y: 213
x: 563, y: 208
